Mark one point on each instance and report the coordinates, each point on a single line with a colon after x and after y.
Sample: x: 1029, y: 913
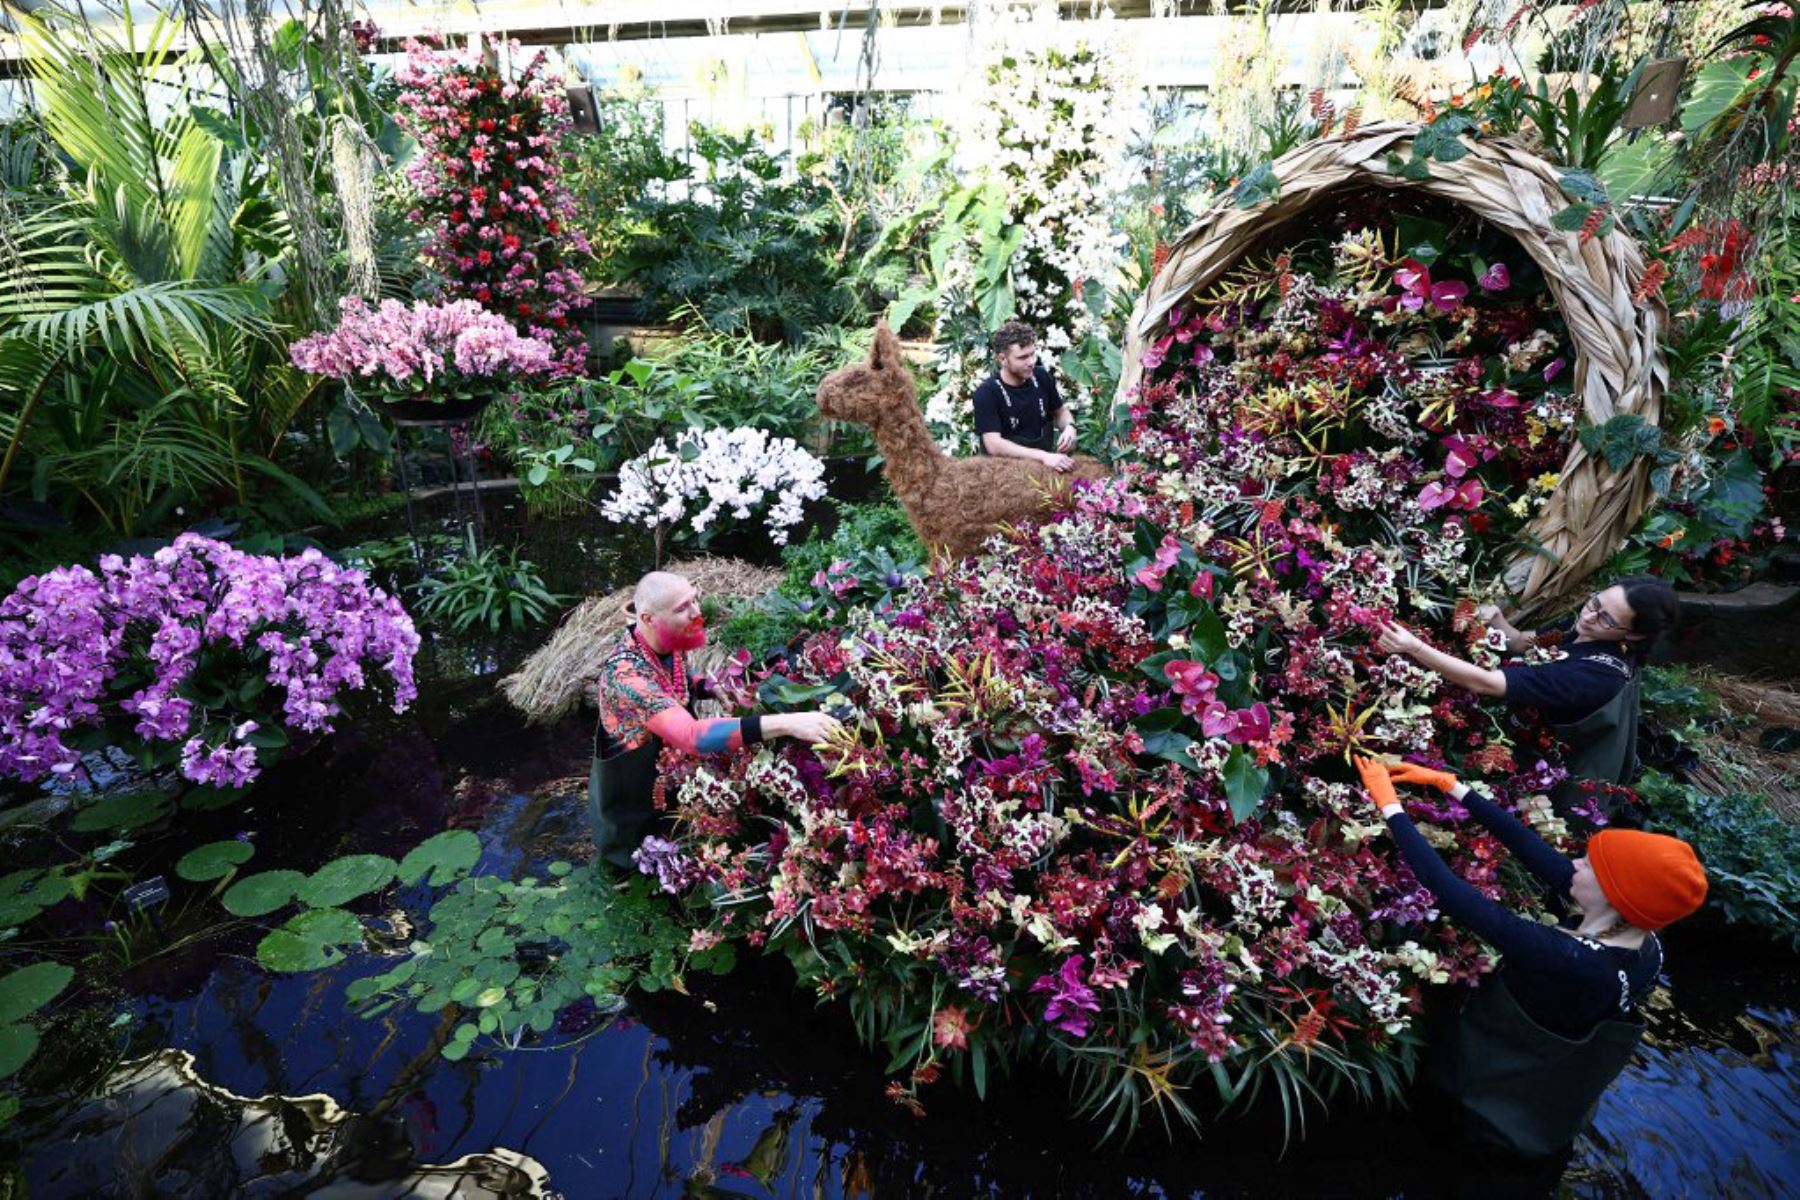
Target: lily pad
x: 215, y: 860
x: 28, y: 989
x: 262, y: 893
x: 445, y: 856
x: 119, y: 812
x: 17, y: 1044
x: 283, y: 950
x: 327, y: 926
x: 344, y: 879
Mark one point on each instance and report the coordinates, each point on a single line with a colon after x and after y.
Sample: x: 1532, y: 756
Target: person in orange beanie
x: 1542, y: 1037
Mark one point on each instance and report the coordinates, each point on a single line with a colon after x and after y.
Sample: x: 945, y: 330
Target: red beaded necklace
x: 670, y: 677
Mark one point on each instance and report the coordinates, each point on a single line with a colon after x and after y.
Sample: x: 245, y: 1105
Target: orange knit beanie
x: 1650, y: 879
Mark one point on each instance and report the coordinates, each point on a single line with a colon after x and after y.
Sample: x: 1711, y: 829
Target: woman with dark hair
x: 1543, y: 1036
x: 1590, y: 694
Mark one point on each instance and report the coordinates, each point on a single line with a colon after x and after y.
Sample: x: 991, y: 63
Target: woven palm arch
x: 1619, y: 365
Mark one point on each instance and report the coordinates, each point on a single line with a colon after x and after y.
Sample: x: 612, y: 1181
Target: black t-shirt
x: 1019, y: 414
x: 1569, y: 689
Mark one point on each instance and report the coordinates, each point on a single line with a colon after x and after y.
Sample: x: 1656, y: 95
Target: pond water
x: 745, y: 1088
x: 258, y: 1084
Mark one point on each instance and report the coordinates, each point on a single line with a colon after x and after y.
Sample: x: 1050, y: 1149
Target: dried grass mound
x: 1734, y: 758
x: 561, y: 675
x: 1619, y: 367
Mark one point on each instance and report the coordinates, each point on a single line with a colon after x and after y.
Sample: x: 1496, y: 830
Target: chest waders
x: 1602, y: 747
x: 1519, y: 1086
x: 620, y: 787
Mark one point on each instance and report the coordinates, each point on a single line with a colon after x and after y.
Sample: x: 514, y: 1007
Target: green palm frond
x: 97, y: 108
x: 169, y: 318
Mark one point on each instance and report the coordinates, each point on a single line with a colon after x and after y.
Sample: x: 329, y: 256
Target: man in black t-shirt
x: 1018, y: 411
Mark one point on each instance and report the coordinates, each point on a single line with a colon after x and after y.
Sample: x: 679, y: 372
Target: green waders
x: 1519, y: 1086
x: 1602, y: 745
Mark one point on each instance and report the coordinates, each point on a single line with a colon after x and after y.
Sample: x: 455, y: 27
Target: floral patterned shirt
x: 635, y: 686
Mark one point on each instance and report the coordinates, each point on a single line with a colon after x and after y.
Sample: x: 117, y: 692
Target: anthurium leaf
x: 24, y: 991
x: 344, y: 879
x: 445, y: 856
x: 262, y: 893
x: 215, y: 860
x: 1245, y: 784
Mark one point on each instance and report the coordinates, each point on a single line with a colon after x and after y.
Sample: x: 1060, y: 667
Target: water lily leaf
x: 215, y: 860
x: 262, y: 893
x: 12, y: 885
x: 119, y: 812
x: 28, y: 989
x: 445, y: 856
x: 16, y: 910
x: 283, y: 950
x: 490, y: 997
x: 344, y: 879
x: 17, y: 1044
x: 326, y: 926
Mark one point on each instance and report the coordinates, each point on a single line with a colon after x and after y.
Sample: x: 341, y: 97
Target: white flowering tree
x: 1041, y: 133
x: 707, y: 475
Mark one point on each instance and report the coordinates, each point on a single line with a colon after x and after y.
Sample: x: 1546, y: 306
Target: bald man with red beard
x: 643, y: 697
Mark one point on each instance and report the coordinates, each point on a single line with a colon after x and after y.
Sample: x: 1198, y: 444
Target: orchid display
x: 502, y: 223
x: 427, y: 351
x: 200, y: 654
x: 707, y: 474
x: 1045, y: 119
x: 1095, y: 803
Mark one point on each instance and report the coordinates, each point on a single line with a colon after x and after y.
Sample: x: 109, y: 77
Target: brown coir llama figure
x: 954, y: 503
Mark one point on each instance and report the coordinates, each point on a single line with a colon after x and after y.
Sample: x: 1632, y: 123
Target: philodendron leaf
x: 17, y: 1044
x: 262, y: 893
x: 344, y: 879
x: 215, y: 860
x: 445, y: 855
x: 24, y: 991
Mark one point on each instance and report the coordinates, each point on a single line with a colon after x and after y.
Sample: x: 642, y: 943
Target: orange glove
x: 1376, y: 782
x: 1443, y: 781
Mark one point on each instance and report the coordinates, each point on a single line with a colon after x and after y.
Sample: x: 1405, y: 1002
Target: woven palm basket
x: 1619, y: 365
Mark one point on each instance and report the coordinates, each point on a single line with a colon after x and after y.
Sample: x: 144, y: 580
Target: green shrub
x: 862, y: 565
x: 1752, y: 856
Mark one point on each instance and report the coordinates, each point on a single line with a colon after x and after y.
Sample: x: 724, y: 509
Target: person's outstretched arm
x: 1397, y: 639
x: 1542, y: 859
x: 679, y: 728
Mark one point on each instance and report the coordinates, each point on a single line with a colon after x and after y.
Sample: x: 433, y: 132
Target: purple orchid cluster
x: 426, y: 348
x: 182, y: 647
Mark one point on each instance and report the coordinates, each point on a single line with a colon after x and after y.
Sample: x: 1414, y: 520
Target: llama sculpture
x: 954, y: 503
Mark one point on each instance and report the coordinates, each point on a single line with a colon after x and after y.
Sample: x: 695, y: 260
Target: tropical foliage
x: 142, y: 294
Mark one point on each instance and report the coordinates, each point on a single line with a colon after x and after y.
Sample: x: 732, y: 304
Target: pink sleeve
x: 677, y: 727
